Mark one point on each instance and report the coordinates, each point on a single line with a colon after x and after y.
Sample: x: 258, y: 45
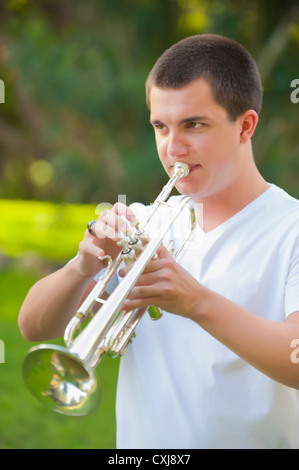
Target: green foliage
x: 74, y: 74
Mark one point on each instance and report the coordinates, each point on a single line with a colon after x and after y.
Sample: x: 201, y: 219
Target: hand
x: 165, y: 284
x: 109, y: 229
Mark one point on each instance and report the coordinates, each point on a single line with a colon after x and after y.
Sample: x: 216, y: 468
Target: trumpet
x: 63, y: 377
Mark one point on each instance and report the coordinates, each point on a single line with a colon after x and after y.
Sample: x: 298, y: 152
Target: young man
x: 216, y: 371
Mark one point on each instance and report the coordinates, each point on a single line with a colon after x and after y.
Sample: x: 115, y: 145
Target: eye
x: 195, y: 125
x: 160, y: 127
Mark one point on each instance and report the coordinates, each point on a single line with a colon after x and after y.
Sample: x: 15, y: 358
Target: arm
x: 263, y: 343
x: 51, y: 302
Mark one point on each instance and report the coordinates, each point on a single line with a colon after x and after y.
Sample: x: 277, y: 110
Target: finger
x: 141, y: 297
x: 149, y: 279
x: 110, y: 225
x: 151, y: 267
x: 162, y: 252
x: 127, y: 216
x: 118, y: 219
x: 89, y: 246
x: 122, y: 210
x: 158, y: 260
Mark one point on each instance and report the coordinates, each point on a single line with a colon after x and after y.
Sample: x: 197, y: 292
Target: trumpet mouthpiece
x: 181, y: 167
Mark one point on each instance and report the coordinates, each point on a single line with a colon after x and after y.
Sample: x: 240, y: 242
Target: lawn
x: 24, y: 422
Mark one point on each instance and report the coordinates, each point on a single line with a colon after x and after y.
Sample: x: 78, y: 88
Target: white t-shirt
x: 179, y: 388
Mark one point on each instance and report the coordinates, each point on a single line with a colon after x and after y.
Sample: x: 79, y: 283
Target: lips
x: 192, y: 167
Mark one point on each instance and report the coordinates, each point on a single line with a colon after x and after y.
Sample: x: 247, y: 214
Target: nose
x: 176, y: 145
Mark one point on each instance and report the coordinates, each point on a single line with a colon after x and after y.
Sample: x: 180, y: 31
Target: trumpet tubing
x: 64, y: 378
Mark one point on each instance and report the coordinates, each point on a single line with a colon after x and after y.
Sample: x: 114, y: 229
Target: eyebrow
x: 183, y: 121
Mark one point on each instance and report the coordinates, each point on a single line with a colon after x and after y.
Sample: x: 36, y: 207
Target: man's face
x: 191, y: 127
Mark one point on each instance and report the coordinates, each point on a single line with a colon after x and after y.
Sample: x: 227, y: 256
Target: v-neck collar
x: 244, y: 212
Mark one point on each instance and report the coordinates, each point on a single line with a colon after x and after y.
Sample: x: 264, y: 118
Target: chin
x: 197, y: 194
x: 186, y: 189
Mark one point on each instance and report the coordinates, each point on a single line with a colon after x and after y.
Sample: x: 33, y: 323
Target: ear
x: 248, y: 122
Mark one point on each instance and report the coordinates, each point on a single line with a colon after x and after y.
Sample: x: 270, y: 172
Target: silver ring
x: 89, y: 227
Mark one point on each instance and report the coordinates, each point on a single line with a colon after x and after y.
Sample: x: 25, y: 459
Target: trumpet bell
x: 61, y: 381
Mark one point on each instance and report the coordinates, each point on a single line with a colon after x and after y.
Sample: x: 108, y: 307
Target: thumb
x: 163, y: 252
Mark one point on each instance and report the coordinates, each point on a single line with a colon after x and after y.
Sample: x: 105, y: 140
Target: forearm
x: 263, y: 343
x: 51, y: 302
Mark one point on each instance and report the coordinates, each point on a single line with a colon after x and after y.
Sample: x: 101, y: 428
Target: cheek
x: 161, y: 145
x: 162, y: 151
x: 222, y: 164
x: 221, y: 154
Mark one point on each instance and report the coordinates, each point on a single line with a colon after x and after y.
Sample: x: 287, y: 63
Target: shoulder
x: 281, y: 217
x: 284, y: 206
x: 284, y: 199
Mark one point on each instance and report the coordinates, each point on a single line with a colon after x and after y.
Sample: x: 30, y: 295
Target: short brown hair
x: 224, y: 63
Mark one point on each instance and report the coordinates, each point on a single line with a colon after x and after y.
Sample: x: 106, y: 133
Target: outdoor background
x: 74, y: 133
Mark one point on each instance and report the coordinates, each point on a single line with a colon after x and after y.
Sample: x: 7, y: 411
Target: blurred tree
x: 76, y: 74
x: 75, y: 126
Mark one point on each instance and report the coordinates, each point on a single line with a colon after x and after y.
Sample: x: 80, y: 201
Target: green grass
x: 51, y: 230
x: 27, y: 424
x: 24, y: 422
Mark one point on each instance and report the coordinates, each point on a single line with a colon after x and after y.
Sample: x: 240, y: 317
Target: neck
x: 219, y: 207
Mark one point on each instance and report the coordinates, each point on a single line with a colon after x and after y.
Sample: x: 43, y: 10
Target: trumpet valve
x: 127, y: 254
x: 124, y: 243
x: 118, y: 345
x: 136, y: 225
